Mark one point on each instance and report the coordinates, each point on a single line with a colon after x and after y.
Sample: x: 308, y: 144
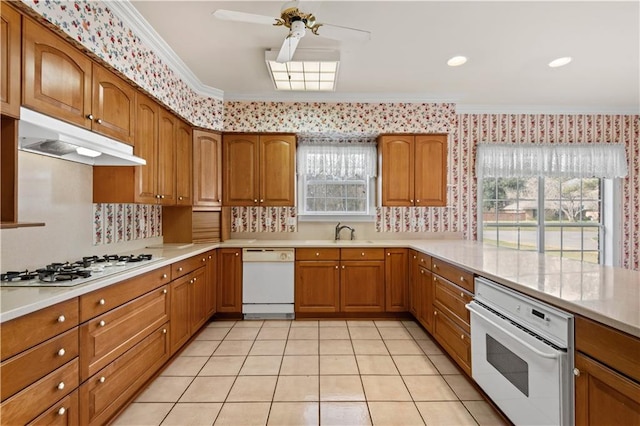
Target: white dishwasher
x: 267, y: 283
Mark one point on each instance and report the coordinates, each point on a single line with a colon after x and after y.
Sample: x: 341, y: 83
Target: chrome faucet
x: 340, y: 228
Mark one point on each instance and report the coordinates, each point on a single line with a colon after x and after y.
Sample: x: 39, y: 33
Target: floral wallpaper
x: 93, y: 24
x: 116, y: 223
x: 264, y: 219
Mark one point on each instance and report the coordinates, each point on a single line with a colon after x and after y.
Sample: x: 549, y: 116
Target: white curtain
x: 574, y: 160
x: 332, y: 157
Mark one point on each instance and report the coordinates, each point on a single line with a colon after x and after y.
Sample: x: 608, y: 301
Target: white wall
x: 58, y: 193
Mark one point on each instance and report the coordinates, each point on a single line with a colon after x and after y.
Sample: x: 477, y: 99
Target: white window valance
x: 574, y: 160
x: 343, y: 161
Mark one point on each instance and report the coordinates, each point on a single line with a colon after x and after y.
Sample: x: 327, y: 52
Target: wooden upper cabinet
x: 183, y: 164
x: 259, y: 170
x: 207, y: 170
x: 10, y: 68
x: 167, y: 158
x: 56, y: 77
x: 430, y: 170
x: 113, y: 106
x: 414, y: 170
x: 397, y: 170
x: 240, y: 164
x: 147, y: 114
x: 277, y: 170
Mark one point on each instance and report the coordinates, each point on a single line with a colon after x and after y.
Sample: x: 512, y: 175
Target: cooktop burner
x: 73, y: 273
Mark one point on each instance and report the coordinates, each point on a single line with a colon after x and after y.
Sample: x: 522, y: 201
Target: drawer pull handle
x: 61, y: 318
x: 101, y: 302
x: 60, y: 385
x: 362, y: 254
x: 317, y: 254
x: 164, y: 276
x: 461, y: 278
x: 435, y: 266
x: 61, y: 352
x: 102, y: 379
x: 462, y: 336
x: 180, y: 269
x: 102, y: 323
x: 415, y: 257
x: 61, y: 411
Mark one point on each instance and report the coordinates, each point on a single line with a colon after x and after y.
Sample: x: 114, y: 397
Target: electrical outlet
x: 291, y: 221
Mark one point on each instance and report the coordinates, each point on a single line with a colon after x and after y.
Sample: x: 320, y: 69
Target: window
x: 336, y: 179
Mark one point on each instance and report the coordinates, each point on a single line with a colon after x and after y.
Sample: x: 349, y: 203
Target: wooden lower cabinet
x: 212, y: 282
x: 105, y: 393
x: 424, y: 288
x: 396, y: 282
x: 188, y: 307
x: 63, y: 413
x: 453, y: 339
x: 362, y: 286
x: 317, y: 286
x: 604, y: 396
x: 230, y: 281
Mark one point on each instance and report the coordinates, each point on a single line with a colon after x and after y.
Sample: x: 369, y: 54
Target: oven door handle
x: 472, y: 307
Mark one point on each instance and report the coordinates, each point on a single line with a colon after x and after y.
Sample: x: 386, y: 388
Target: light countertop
x: 605, y: 294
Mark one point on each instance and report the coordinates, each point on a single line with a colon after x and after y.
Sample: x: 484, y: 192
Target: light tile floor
x: 310, y: 373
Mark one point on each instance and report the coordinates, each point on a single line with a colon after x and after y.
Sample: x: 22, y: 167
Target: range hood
x: 46, y: 135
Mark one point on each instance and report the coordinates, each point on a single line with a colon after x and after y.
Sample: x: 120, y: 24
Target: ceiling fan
x: 298, y: 23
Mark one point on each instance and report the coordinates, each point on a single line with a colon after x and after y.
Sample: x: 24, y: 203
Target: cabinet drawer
x: 20, y: 371
x: 33, y: 400
x: 452, y: 299
x: 183, y: 267
x: 105, y: 299
x: 424, y: 260
x: 362, y: 254
x: 318, y: 254
x: 108, y: 336
x: 62, y: 413
x: 455, y: 340
x: 29, y: 330
x: 105, y: 393
x: 454, y: 274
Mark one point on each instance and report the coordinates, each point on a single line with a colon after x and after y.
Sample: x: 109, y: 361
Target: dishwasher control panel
x: 268, y: 255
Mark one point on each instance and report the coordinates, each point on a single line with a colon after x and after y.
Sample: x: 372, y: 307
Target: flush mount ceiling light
x: 456, y: 61
x: 313, y: 70
x: 560, y: 62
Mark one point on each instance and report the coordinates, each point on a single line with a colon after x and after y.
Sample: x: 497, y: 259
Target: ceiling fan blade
x: 287, y: 50
x: 252, y: 18
x: 338, y: 32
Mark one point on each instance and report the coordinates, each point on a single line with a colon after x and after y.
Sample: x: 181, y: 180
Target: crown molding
x: 141, y: 27
x: 544, y: 109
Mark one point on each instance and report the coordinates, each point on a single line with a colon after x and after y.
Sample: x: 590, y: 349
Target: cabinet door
x: 317, y: 286
x: 453, y: 339
x: 56, y: 78
x: 113, y: 106
x: 396, y: 280
x: 431, y: 170
x: 146, y: 146
x: 240, y: 170
x: 425, y: 303
x: 10, y: 69
x: 277, y: 170
x: 603, y: 396
x: 183, y: 164
x: 62, y: 413
x: 413, y: 283
x: 207, y: 169
x: 230, y: 280
x: 167, y: 158
x: 180, y: 312
x: 212, y: 280
x: 362, y: 286
x: 397, y: 153
x: 198, y: 297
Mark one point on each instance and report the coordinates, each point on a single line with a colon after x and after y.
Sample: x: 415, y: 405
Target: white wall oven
x: 522, y: 355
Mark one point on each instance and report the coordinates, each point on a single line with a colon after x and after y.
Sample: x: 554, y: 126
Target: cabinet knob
x: 576, y: 372
x: 60, y: 385
x: 415, y: 257
x: 435, y: 313
x: 435, y: 266
x: 158, y: 196
x: 261, y: 200
x: 435, y: 279
x: 317, y: 254
x: 342, y: 266
x: 179, y: 198
x: 462, y: 294
x: 162, y: 196
x: 190, y: 281
x: 255, y: 201
x: 461, y: 278
x: 417, y: 201
x: 102, y: 379
x: 61, y: 318
x: 90, y: 116
x: 209, y: 256
x: 411, y: 201
x: 205, y: 259
x: 180, y: 269
x: 61, y: 411
x: 237, y: 254
x: 195, y: 279
x: 219, y: 200
x: 462, y: 336
x: 164, y: 291
x: 422, y: 271
x: 164, y: 331
x: 337, y: 266
x: 102, y: 323
x: 421, y: 259
x: 362, y: 254
x: 99, y: 121
x: 61, y: 352
x: 164, y: 276
x: 101, y: 302
x: 388, y: 254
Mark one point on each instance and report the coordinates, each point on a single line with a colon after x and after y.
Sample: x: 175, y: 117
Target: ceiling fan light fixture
x: 456, y: 61
x: 560, y: 62
x: 313, y: 70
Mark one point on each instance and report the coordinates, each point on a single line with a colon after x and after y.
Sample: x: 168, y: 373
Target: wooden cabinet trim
x: 318, y: 254
x: 11, y: 66
x: 455, y: 274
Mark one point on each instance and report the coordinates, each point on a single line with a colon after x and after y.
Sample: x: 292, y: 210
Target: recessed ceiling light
x: 457, y: 61
x: 560, y: 62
